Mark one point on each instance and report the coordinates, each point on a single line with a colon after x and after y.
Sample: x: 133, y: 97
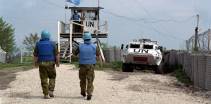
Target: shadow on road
x: 26, y: 95
x: 9, y: 75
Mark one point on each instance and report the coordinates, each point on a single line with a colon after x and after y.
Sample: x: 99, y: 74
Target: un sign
x: 90, y: 24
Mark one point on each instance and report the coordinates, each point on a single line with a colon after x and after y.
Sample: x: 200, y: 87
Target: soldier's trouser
x: 86, y: 76
x: 47, y: 76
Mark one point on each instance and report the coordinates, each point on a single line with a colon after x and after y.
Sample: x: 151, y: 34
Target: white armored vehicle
x: 141, y: 54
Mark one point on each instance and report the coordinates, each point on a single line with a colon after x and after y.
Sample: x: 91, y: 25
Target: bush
x: 116, y: 65
x: 76, y: 64
x: 113, y: 65
x: 9, y: 66
x: 182, y: 77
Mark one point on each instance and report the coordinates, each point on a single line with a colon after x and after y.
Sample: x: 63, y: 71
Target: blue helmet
x: 87, y: 36
x: 45, y: 34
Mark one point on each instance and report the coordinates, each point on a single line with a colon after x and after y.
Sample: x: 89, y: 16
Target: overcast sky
x: 170, y: 22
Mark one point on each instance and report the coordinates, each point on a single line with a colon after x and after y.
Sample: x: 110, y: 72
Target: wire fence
x: 21, y: 57
x: 26, y: 57
x: 203, y: 41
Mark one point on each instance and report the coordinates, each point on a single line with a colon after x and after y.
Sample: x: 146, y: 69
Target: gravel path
x: 110, y: 88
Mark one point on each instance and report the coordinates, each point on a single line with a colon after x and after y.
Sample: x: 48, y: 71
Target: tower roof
x: 84, y: 8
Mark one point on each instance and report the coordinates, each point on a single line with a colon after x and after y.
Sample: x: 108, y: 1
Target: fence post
x: 21, y: 56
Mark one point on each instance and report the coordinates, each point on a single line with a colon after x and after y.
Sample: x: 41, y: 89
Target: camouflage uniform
x: 88, y: 52
x: 47, y: 73
x: 86, y: 76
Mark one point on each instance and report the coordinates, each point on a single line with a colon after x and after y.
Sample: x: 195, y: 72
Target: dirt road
x: 110, y: 88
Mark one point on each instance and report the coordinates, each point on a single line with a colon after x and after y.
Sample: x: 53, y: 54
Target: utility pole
x: 98, y: 18
x: 196, y: 34
x: 209, y: 33
x: 98, y: 3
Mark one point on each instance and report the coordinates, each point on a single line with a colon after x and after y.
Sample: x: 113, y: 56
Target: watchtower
x: 71, y: 32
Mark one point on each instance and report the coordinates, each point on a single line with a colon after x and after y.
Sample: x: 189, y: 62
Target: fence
x: 112, y: 54
x: 26, y: 57
x: 196, y: 66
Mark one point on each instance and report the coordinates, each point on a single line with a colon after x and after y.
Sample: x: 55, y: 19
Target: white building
x: 2, y: 56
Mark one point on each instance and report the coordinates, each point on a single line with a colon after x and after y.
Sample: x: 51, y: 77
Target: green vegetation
x: 113, y: 65
x: 15, y: 66
x: 7, y: 41
x: 75, y: 63
x: 30, y: 41
x: 27, y: 59
x: 181, y: 76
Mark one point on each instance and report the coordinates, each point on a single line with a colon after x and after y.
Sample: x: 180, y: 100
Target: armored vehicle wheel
x: 159, y: 69
x: 127, y: 67
x: 124, y: 67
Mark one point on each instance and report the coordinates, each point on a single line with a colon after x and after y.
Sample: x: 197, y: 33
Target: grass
x: 28, y: 59
x: 113, y: 65
x: 75, y: 63
x: 25, y: 59
x: 16, y: 63
x: 182, y: 76
x: 14, y: 66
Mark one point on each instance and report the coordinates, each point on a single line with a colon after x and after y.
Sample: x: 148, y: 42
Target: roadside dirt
x: 8, y: 75
x: 111, y: 87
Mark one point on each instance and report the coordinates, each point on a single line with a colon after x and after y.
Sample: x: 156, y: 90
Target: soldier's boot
x: 83, y: 94
x: 51, y: 94
x: 46, y: 97
x: 89, y: 97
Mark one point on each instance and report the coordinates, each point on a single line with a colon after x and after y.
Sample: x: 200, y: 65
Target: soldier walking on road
x: 87, y: 60
x: 46, y: 55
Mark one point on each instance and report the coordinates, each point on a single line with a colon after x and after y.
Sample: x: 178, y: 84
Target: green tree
x: 7, y: 41
x: 30, y: 41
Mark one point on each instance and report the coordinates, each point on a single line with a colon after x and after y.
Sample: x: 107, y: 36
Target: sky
x: 170, y: 22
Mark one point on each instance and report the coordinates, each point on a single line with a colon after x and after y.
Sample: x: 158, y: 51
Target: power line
x: 152, y: 20
x: 144, y: 20
x: 125, y: 17
x: 53, y: 4
x: 149, y: 20
x: 172, y: 20
x: 149, y: 14
x: 132, y: 19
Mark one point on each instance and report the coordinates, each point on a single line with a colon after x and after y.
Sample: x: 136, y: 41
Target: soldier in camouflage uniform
x: 87, y: 60
x: 46, y: 56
